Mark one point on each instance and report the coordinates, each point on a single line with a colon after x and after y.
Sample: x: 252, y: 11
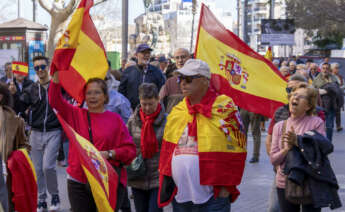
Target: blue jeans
x: 273, y: 203
x: 330, y: 115
x: 146, y: 200
x: 212, y: 205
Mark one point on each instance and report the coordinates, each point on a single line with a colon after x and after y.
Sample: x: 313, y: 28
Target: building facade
x: 175, y: 24
x: 260, y: 9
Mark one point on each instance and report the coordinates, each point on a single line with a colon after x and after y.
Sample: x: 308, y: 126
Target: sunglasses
x: 188, y: 79
x: 288, y: 90
x: 42, y: 67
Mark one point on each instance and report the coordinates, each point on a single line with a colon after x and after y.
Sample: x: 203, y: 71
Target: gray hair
x: 284, y: 67
x: 182, y: 49
x: 148, y: 91
x: 334, y: 65
x: 298, y: 77
x: 292, y: 63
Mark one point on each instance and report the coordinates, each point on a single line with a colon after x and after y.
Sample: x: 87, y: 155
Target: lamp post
x: 192, y: 34
x: 124, y: 29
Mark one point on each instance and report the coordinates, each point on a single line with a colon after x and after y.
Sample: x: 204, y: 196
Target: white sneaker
x: 41, y: 206
x: 55, y: 204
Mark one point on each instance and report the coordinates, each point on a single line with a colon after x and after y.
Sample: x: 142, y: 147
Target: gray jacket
x: 151, y: 180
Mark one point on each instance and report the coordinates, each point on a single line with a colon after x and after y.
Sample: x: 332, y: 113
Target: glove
x: 322, y: 91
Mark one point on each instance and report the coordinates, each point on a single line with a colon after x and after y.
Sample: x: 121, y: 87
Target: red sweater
x: 108, y: 131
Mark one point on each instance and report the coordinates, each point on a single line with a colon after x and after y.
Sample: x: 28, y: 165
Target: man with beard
x: 134, y: 76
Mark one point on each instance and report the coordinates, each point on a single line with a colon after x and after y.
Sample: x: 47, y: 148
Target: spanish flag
x: 251, y: 80
x: 100, y: 174
x: 80, y: 53
x: 20, y: 68
x: 24, y: 181
x: 269, y: 55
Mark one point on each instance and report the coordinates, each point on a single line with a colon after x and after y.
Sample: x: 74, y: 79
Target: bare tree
x: 60, y: 14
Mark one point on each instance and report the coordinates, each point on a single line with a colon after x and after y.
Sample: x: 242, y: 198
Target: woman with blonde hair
x: 288, y: 145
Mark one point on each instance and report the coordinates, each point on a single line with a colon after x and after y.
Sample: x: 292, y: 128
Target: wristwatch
x: 110, y: 154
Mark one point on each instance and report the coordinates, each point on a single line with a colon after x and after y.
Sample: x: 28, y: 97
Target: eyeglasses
x: 42, y: 67
x: 188, y: 79
x: 182, y: 57
x: 295, y: 95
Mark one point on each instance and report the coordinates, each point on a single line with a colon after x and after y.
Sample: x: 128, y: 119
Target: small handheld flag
x: 20, y: 68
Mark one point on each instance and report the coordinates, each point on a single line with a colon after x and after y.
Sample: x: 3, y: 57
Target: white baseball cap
x: 194, y: 67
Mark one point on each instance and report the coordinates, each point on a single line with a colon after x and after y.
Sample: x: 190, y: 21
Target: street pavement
x: 257, y: 179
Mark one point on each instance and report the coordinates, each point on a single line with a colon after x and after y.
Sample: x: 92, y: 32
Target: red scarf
x: 204, y: 108
x: 148, y: 140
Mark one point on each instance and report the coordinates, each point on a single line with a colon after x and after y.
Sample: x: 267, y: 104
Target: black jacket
x: 134, y: 76
x: 19, y: 106
x: 334, y: 98
x: 309, y: 161
x: 41, y: 115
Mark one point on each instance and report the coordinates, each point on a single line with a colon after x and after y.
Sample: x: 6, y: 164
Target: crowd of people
x: 158, y: 122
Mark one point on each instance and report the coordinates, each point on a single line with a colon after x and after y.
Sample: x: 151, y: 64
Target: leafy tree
x: 326, y: 17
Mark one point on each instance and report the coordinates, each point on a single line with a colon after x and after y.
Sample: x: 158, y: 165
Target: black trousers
x: 286, y: 206
x: 81, y: 199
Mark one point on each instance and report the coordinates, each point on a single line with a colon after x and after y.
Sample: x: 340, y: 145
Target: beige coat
x: 12, y: 132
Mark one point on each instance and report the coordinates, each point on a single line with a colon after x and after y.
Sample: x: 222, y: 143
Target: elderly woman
x: 335, y: 72
x: 302, y: 103
x: 284, y: 70
x: 105, y: 129
x: 292, y: 67
x: 146, y: 125
x: 302, y: 70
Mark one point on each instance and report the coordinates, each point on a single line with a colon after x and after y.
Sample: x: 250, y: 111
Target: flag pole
x: 192, y: 34
x: 124, y: 29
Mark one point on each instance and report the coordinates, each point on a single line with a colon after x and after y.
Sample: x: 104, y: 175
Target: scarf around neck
x: 204, y: 108
x: 148, y: 140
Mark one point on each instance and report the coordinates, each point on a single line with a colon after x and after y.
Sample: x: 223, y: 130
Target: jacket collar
x: 158, y: 121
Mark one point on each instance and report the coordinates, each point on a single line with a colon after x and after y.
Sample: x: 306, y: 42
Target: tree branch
x: 45, y: 6
x: 99, y: 2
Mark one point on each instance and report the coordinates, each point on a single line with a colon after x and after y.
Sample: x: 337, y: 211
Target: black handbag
x: 137, y: 169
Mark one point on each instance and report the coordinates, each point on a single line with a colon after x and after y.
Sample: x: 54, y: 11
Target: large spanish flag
x: 100, y: 174
x: 24, y: 181
x: 80, y: 53
x: 20, y: 68
x: 251, y: 80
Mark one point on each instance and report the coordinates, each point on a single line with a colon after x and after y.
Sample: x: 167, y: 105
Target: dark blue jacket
x: 134, y: 76
x: 309, y: 162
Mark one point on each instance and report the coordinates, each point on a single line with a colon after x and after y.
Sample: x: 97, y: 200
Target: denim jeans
x: 273, y: 203
x: 146, y: 200
x: 212, y: 205
x: 330, y: 115
x: 44, y: 151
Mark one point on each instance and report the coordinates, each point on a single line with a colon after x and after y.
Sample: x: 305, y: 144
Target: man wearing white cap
x: 203, y: 151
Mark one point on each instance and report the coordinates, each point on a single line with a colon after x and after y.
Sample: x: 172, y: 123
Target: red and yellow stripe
x: 80, y: 53
x: 20, y: 68
x: 102, y: 178
x: 251, y: 80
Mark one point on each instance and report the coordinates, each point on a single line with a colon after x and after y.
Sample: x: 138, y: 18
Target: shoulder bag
x: 295, y: 193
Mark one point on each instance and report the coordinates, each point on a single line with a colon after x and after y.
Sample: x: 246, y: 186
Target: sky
x: 136, y: 7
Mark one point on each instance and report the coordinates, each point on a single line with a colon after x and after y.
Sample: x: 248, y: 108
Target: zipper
x: 46, y: 113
